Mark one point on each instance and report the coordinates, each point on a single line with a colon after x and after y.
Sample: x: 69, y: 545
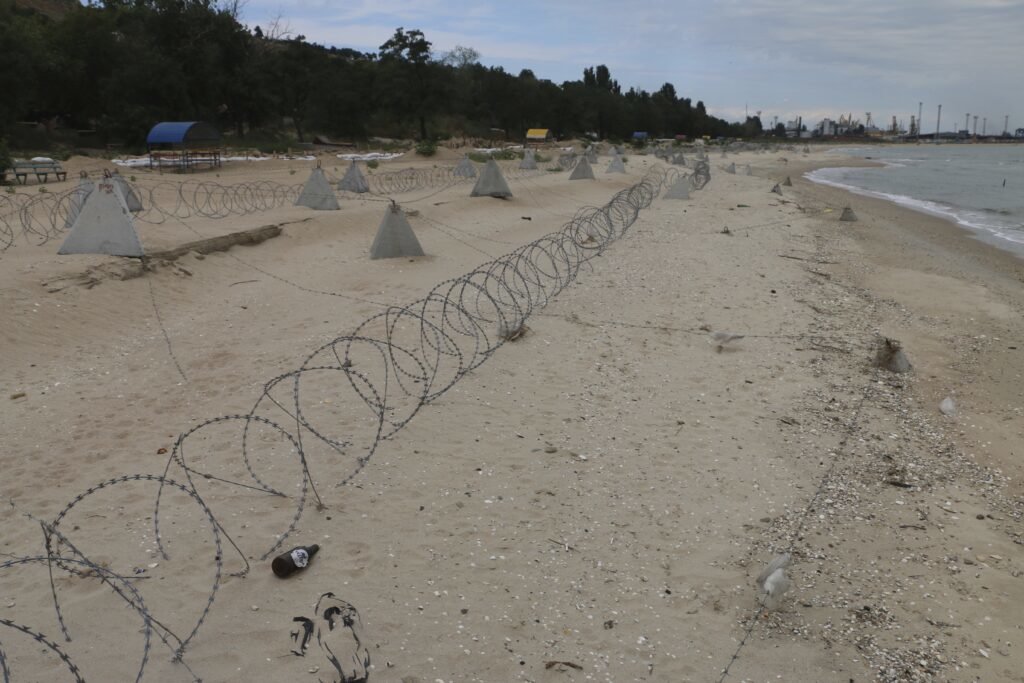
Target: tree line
x: 116, y: 67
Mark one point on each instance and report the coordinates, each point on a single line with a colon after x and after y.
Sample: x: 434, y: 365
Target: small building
x: 183, y: 144
x: 538, y: 136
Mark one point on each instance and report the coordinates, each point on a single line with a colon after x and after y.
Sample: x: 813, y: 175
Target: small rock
x: 18, y: 394
x: 947, y: 407
x: 255, y: 608
x: 550, y: 449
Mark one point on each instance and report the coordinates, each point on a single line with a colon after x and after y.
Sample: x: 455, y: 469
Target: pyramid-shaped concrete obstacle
x: 680, y: 189
x: 787, y: 182
x: 76, y: 199
x: 529, y: 162
x: 395, y: 237
x: 848, y: 215
x: 807, y: 150
x: 731, y: 168
x: 131, y: 199
x: 777, y: 189
x: 748, y: 171
x: 616, y: 165
x: 354, y: 180
x: 491, y: 182
x: 591, y: 154
x: 464, y: 169
x: 317, y: 193
x: 679, y: 160
x: 583, y: 171
x: 104, y: 225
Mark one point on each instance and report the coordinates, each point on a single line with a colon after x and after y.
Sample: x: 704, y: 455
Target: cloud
x: 780, y: 56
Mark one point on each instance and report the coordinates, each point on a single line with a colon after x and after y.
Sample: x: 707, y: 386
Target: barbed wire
x: 339, y: 404
x: 38, y: 218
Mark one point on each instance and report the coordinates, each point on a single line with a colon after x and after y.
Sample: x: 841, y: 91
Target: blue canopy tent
x: 183, y: 144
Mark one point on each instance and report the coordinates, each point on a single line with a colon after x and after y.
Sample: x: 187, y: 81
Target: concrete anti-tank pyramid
x: 491, y: 182
x: 395, y: 237
x: 103, y: 225
x: 76, y: 200
x: 787, y: 182
x: 354, y: 180
x: 464, y: 169
x: 616, y: 166
x: 748, y: 171
x: 731, y: 168
x: 848, y: 215
x: 776, y: 189
x: 317, y: 193
x: 131, y: 199
x: 583, y: 171
x: 591, y: 154
x: 529, y: 162
x: 680, y: 189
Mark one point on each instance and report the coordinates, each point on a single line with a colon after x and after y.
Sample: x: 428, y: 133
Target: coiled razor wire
x: 41, y: 217
x: 339, y: 404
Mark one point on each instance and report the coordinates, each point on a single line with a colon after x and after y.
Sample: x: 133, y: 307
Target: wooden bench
x: 42, y: 169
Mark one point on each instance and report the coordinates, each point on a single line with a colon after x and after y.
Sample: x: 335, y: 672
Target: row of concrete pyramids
x: 101, y: 223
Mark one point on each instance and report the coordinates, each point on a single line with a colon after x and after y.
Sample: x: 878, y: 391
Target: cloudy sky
x: 783, y: 57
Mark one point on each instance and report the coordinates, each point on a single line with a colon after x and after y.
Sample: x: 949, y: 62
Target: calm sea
x: 981, y: 187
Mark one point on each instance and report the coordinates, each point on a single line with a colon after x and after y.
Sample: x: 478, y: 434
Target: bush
x: 426, y: 148
x: 372, y: 163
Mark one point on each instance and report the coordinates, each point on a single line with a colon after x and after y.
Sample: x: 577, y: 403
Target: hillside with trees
x: 116, y: 67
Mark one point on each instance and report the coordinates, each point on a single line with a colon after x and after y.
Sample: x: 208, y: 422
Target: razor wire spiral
x: 38, y: 218
x: 334, y: 409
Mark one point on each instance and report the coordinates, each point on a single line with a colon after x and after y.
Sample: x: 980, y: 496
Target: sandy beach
x: 590, y: 502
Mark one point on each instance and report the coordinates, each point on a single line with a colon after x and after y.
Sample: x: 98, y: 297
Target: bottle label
x: 300, y: 557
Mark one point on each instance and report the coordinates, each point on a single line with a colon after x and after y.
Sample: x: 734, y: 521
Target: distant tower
x: 984, y: 124
x: 938, y: 123
x: 919, y: 105
x: 975, y: 133
x: 1006, y: 125
x: 913, y: 127
x: 867, y: 119
x: 967, y: 123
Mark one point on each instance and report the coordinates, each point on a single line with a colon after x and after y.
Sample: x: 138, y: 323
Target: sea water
x: 979, y: 186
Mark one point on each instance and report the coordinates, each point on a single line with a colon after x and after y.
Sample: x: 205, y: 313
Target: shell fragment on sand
x: 103, y: 225
x: 395, y: 237
x: 317, y: 193
x: 354, y: 180
x: 491, y: 182
x: 583, y: 171
x: 773, y: 583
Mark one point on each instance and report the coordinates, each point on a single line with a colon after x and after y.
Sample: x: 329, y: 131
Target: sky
x: 813, y: 58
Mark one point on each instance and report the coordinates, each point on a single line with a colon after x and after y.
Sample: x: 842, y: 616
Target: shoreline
x: 946, y: 213
x: 978, y: 283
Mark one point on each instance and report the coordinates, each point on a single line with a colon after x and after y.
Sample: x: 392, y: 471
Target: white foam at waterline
x: 960, y: 217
